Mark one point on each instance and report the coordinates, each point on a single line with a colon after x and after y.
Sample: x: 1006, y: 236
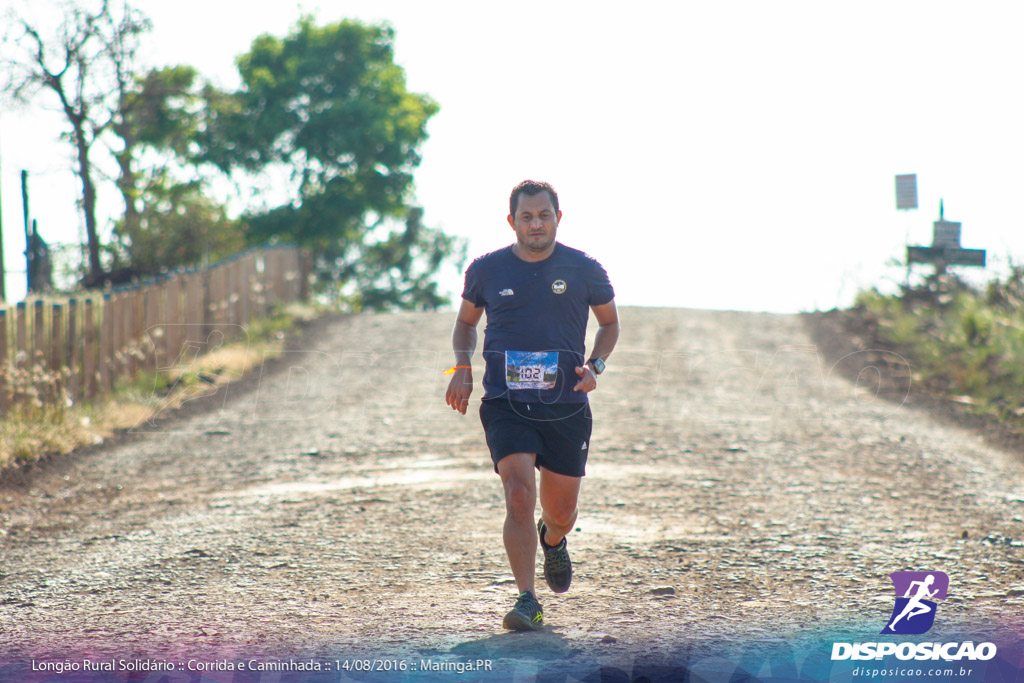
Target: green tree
x: 177, y: 225
x: 395, y: 272
x: 169, y: 221
x: 144, y: 118
x: 329, y: 104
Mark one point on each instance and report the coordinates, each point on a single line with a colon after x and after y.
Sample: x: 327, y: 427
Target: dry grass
x: 27, y: 432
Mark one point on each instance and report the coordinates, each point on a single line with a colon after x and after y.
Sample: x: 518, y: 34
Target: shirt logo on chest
x: 558, y: 286
x: 506, y: 292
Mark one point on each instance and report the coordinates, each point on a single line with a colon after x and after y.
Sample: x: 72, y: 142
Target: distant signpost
x: 945, y: 249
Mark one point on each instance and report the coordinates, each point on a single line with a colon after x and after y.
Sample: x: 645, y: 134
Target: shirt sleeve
x: 598, y: 285
x: 471, y: 290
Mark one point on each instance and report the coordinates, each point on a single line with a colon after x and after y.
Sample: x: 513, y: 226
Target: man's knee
x: 520, y: 485
x: 559, y: 496
x: 520, y: 497
x: 560, y: 515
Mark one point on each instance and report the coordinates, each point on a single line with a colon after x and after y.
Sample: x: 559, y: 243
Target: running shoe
x: 557, y: 565
x: 526, y: 615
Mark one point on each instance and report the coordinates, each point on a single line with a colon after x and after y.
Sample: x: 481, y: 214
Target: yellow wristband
x: 451, y: 370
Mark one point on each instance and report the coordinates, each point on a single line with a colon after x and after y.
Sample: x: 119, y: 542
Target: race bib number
x: 531, y: 369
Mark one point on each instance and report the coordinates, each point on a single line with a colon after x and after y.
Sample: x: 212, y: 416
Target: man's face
x: 535, y: 222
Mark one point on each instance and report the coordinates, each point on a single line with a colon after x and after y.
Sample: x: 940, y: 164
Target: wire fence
x: 79, y: 348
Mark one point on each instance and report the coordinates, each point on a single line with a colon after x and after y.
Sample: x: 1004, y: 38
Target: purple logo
x: 916, y: 596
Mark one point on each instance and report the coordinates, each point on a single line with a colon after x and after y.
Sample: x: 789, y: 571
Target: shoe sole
x: 517, y: 621
x: 558, y: 589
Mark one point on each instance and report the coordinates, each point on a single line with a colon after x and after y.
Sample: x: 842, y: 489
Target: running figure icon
x: 915, y: 606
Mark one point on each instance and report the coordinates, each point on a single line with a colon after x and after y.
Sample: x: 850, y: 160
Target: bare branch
x: 87, y: 64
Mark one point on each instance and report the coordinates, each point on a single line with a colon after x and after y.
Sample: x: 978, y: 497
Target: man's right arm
x: 463, y: 343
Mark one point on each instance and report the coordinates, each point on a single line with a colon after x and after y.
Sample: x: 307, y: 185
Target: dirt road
x: 743, y: 495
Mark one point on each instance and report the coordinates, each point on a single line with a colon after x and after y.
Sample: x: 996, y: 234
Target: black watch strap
x: 597, y: 364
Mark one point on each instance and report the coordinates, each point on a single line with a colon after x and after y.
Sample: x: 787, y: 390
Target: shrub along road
x: 742, y: 493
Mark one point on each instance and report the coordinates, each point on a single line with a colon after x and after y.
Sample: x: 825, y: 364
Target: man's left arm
x: 604, y: 342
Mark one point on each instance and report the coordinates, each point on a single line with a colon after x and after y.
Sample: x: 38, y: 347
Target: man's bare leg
x: 559, y: 497
x: 520, y: 533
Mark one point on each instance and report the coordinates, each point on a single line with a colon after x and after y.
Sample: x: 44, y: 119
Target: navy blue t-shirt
x: 537, y: 316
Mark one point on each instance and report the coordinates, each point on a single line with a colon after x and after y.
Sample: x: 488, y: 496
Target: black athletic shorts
x: 559, y: 433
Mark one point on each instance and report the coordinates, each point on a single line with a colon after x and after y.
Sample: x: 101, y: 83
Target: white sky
x: 731, y: 155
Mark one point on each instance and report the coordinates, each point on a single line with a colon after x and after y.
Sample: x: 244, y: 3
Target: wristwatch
x: 597, y: 365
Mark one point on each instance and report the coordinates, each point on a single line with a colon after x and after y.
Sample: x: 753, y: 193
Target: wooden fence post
x: 259, y: 287
x: 38, y: 360
x: 72, y: 353
x: 218, y: 306
x: 305, y: 272
x: 269, y: 295
x: 39, y: 332
x: 115, y: 302
x: 128, y: 324
x: 162, y: 322
x: 5, y: 402
x: 194, y: 305
x: 22, y: 362
x: 244, y: 290
x: 110, y: 335
x: 207, y: 303
x: 295, y: 275
x: 234, y: 280
x: 172, y: 329
x: 278, y: 259
x: 21, y: 332
x: 150, y: 326
x: 138, y: 358
x: 91, y: 353
x: 286, y: 276
x: 56, y: 360
x: 224, y: 287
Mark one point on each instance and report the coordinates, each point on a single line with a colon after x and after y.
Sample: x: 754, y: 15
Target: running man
x: 914, y: 606
x: 537, y: 293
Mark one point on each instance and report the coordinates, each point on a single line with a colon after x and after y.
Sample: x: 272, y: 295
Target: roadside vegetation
x: 963, y: 342
x: 324, y: 104
x: 47, y: 425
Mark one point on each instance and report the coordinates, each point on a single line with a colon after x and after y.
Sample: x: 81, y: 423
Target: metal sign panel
x: 950, y: 256
x: 946, y: 234
x: 906, y: 191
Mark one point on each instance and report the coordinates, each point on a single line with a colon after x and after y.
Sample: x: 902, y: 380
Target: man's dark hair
x: 532, y: 188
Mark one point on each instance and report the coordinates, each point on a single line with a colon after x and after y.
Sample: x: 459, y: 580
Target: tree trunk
x: 78, y: 120
x: 128, y: 183
x: 88, y: 201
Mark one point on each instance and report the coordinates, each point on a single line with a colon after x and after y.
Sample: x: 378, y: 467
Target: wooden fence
x: 82, y: 347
